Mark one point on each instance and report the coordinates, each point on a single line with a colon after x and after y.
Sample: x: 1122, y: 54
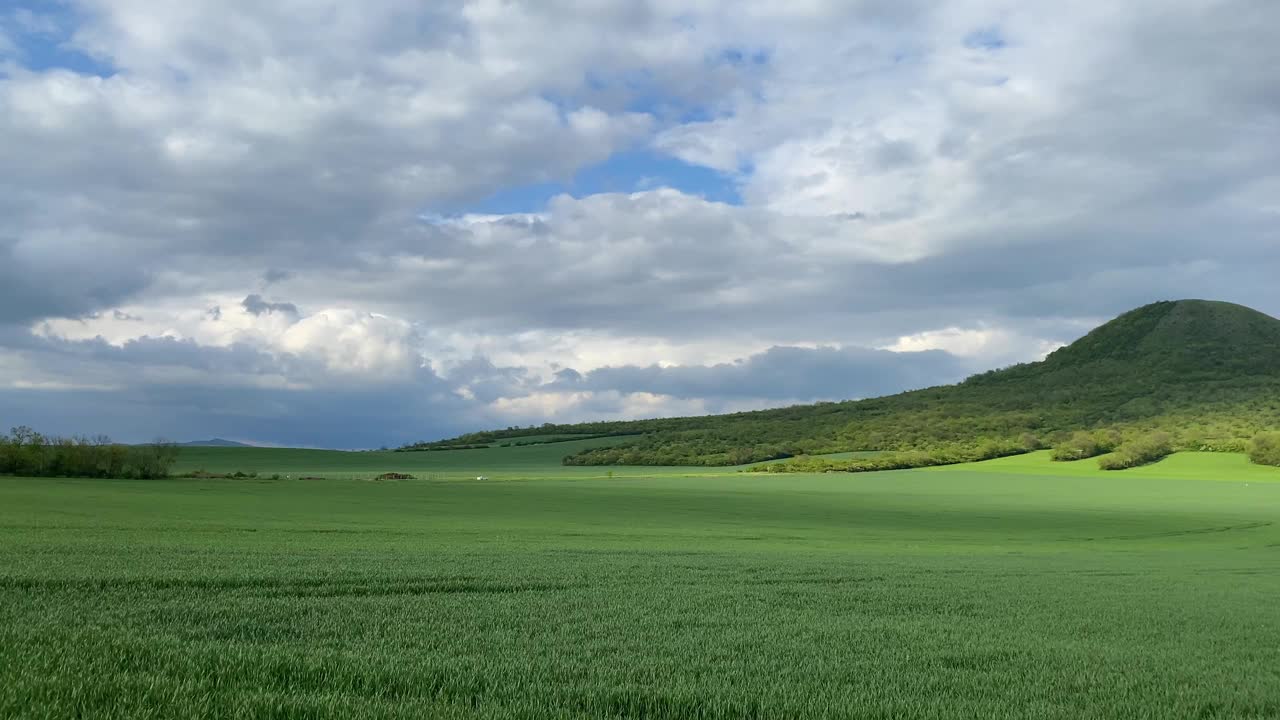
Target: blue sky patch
x: 42, y: 32
x: 624, y: 172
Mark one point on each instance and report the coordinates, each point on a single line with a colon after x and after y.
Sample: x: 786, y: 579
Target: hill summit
x: 215, y: 442
x: 1181, y: 336
x: 1207, y: 372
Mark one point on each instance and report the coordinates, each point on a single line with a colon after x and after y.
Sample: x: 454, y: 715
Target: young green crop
x: 1017, y: 588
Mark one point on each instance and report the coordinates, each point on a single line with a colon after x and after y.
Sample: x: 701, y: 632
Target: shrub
x: 1222, y: 445
x: 1264, y: 449
x: 1142, y: 451
x: 951, y: 454
x: 1083, y: 445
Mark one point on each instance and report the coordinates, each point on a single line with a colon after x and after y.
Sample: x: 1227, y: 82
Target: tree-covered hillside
x: 1206, y: 372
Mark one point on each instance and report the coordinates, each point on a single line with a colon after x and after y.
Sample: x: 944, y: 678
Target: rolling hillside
x: 1207, y: 372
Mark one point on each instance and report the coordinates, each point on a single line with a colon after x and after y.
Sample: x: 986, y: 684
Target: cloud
x: 49, y: 275
x: 255, y: 305
x: 352, y: 399
x: 781, y: 374
x: 275, y: 275
x: 354, y: 343
x: 974, y: 182
x: 376, y: 370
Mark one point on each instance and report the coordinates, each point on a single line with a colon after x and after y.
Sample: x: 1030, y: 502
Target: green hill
x: 1207, y: 372
x: 1188, y: 336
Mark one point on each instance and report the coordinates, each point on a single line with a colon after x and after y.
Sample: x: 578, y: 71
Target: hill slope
x: 1207, y: 371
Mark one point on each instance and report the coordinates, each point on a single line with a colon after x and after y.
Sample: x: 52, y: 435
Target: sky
x: 333, y: 224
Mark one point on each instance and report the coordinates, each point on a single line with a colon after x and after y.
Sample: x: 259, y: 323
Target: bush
x: 1264, y: 449
x: 952, y: 454
x: 1083, y: 445
x: 1222, y: 445
x: 1142, y: 451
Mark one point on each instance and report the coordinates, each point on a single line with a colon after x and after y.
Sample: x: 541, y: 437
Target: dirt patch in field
x: 394, y: 476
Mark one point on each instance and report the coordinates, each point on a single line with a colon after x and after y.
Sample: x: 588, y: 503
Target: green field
x: 1017, y: 588
x: 532, y: 461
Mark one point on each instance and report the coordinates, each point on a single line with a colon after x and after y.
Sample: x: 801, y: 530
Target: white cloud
x: 568, y: 407
x: 992, y: 345
x: 904, y: 186
x: 353, y: 342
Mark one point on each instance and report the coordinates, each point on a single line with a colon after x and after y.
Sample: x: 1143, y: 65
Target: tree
x: 155, y: 459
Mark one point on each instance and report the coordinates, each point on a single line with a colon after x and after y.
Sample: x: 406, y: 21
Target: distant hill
x: 215, y: 442
x: 1191, y: 339
x: 1208, y: 372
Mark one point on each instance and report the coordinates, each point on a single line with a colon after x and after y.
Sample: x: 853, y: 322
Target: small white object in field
x: 481, y: 477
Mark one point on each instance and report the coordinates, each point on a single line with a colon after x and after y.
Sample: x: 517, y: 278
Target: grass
x: 531, y: 461
x: 1226, y: 467
x: 1016, y: 588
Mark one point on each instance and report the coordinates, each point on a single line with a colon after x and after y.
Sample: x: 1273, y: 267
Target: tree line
x: 28, y: 453
x: 1114, y: 449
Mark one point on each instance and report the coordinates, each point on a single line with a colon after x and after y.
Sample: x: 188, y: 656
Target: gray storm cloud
x: 255, y: 305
